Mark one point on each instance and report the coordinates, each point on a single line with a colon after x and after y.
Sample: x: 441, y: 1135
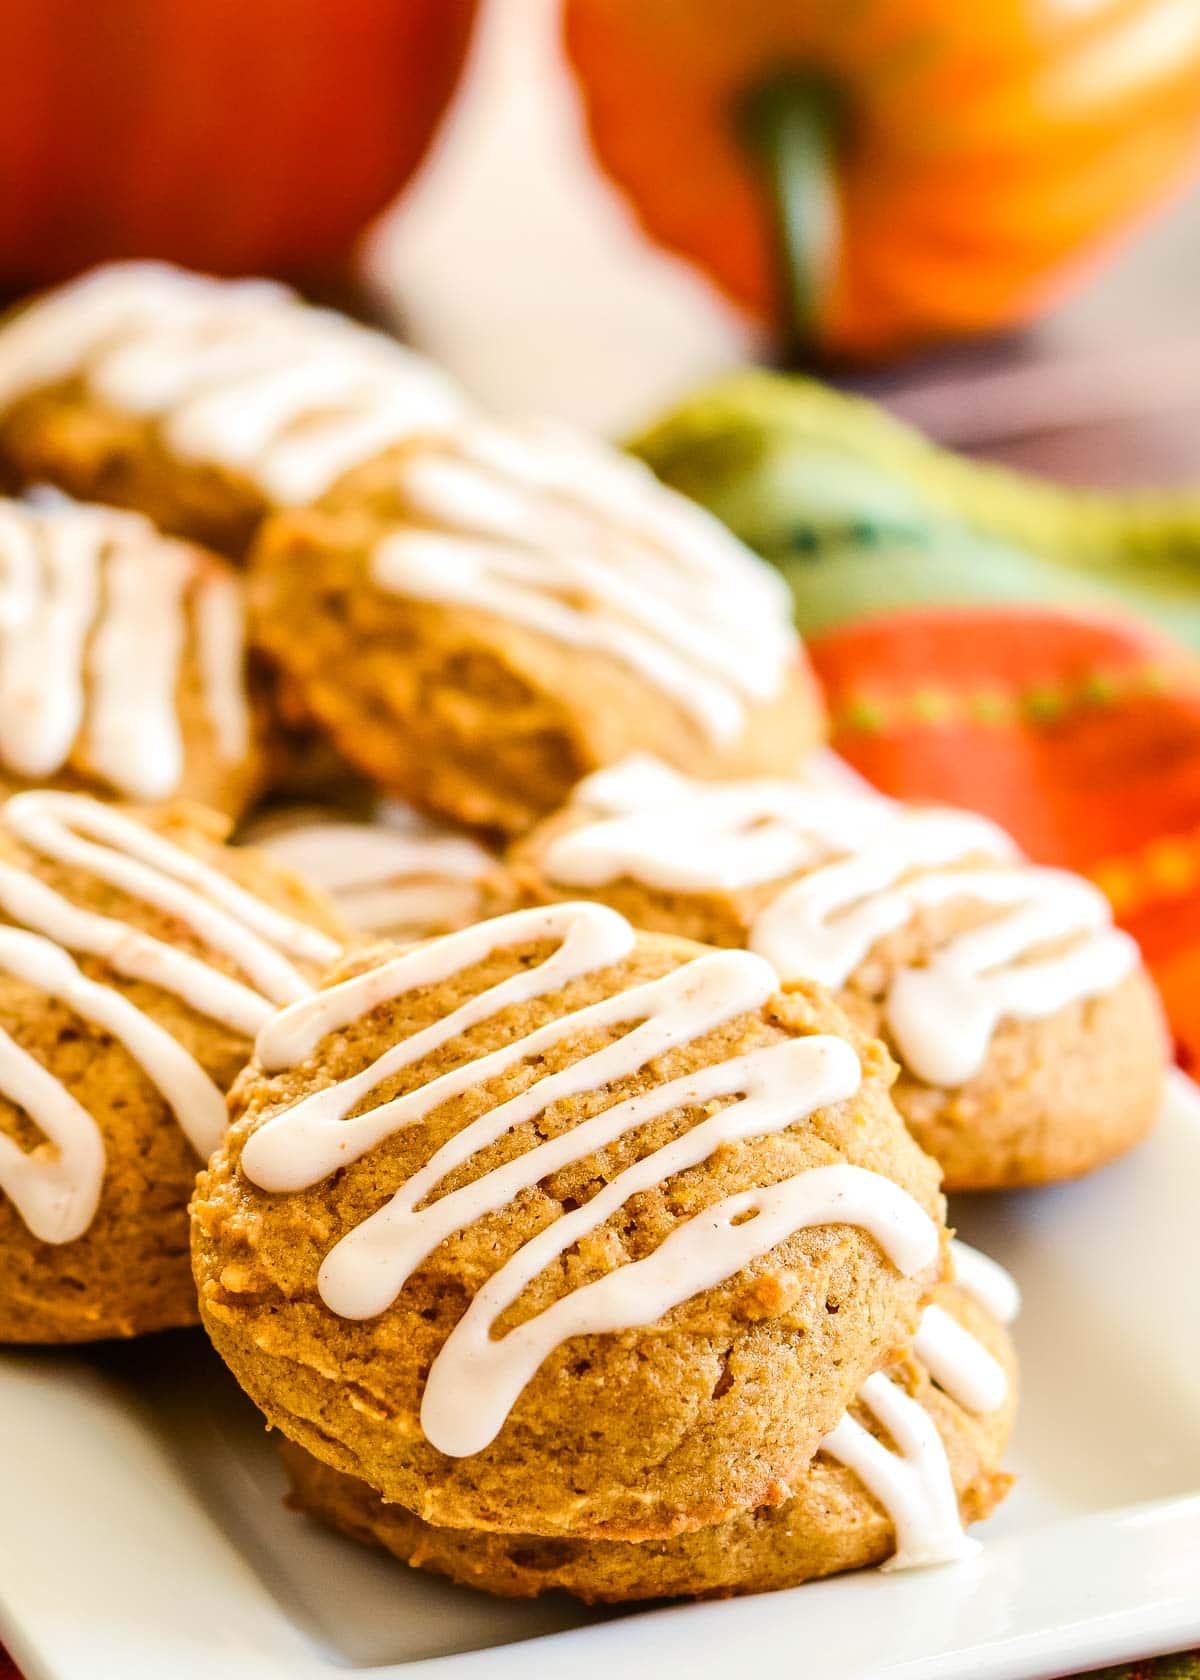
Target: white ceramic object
x: 142, y: 1536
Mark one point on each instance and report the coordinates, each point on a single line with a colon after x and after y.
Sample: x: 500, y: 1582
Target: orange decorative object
x: 1079, y: 733
x: 229, y: 135
x: 887, y: 171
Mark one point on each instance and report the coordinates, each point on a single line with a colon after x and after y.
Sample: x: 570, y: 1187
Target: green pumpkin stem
x: 791, y: 123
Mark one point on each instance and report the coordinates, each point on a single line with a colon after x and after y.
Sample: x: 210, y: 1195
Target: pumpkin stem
x: 791, y: 123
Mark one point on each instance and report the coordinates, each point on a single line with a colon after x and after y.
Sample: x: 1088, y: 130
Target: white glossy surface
x: 141, y: 1535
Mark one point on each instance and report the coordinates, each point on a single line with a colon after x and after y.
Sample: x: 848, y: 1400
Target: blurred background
x: 520, y: 264
x: 585, y: 224
x: 834, y: 267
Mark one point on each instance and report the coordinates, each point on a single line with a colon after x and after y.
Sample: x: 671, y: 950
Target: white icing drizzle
x: 402, y: 873
x: 220, y: 617
x: 84, y: 834
x: 913, y: 1484
x: 649, y: 820
x: 94, y: 621
x: 869, y: 866
x: 985, y: 1281
x: 56, y: 1190
x: 530, y: 589
x: 239, y: 374
x: 576, y: 474
x: 589, y: 938
x: 48, y: 598
x: 573, y: 541
x: 943, y: 1016
x: 476, y: 1377
x: 132, y: 735
x: 958, y: 1362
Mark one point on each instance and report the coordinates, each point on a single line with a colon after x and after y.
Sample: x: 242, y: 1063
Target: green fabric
x: 862, y: 514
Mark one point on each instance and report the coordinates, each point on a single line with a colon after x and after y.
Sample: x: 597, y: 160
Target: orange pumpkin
x: 934, y: 167
x: 230, y: 135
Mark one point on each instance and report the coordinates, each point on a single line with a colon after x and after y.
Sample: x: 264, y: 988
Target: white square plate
x: 142, y: 1537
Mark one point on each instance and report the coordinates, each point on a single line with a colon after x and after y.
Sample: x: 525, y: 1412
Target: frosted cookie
x: 138, y: 957
x: 1029, y: 1037
x: 914, y: 1461
x: 478, y: 621
x: 400, y: 875
x: 202, y: 403
x: 548, y: 1226
x: 123, y: 661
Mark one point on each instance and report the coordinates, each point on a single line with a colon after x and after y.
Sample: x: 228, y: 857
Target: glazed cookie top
x: 607, y: 1230
x: 401, y: 874
x: 815, y: 878
x: 174, y: 946
x: 552, y: 531
x: 240, y: 375
x: 122, y: 656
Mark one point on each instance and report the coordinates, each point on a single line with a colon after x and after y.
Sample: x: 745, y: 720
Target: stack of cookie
x: 577, y: 1082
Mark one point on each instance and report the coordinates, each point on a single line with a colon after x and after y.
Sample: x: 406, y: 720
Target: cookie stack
x: 571, y: 1091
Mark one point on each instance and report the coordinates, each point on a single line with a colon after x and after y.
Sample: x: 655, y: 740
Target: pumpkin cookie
x: 400, y: 876
x: 866, y: 1498
x: 548, y: 1226
x: 1029, y: 1037
x: 138, y: 957
x: 202, y: 403
x: 480, y: 620
x: 123, y: 665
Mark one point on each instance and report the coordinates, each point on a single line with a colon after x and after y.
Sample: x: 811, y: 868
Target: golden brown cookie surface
x: 1029, y: 1038
x: 138, y: 956
x: 832, y: 1522
x: 480, y: 620
x: 201, y: 403
x: 551, y: 1226
x: 124, y: 668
